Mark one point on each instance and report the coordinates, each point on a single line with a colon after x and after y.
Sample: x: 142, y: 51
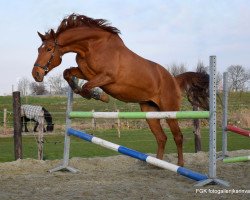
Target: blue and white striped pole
x: 138, y: 155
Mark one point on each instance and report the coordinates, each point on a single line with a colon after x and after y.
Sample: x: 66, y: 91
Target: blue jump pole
x: 138, y: 155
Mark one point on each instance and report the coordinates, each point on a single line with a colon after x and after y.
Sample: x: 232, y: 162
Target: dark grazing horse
x: 105, y: 61
x: 36, y: 114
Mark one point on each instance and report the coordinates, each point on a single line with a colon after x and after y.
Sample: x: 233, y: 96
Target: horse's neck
x: 47, y: 116
x: 77, y: 39
x: 48, y: 119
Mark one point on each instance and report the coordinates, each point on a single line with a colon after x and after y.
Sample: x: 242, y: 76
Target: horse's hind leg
x: 156, y: 128
x: 178, y: 138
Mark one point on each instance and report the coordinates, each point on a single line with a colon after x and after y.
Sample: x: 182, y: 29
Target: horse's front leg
x: 25, y: 124
x: 98, y: 81
x: 35, y: 127
x: 94, y: 85
x: 72, y: 75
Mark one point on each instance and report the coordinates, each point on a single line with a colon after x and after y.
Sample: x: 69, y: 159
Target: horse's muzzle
x: 38, y: 74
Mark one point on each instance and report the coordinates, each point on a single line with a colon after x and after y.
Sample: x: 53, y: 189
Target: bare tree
x: 219, y: 79
x: 238, y: 77
x: 23, y: 86
x: 200, y: 67
x: 57, y: 84
x: 38, y: 88
x: 176, y: 69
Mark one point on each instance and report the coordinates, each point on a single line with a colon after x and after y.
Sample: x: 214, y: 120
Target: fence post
x: 118, y: 125
x: 212, y: 128
x: 4, y: 121
x: 17, y: 125
x: 66, y: 151
x: 93, y: 122
x: 40, y: 136
x: 212, y: 120
x: 224, y: 115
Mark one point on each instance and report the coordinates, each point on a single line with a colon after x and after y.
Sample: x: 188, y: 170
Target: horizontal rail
x: 138, y: 155
x: 142, y: 115
x: 236, y: 159
x: 237, y: 130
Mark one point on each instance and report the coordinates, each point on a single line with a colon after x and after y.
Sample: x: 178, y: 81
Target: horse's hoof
x: 181, y: 164
x: 104, y: 97
x: 76, y: 91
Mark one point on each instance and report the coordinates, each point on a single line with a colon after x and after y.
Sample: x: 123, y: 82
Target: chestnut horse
x: 105, y: 61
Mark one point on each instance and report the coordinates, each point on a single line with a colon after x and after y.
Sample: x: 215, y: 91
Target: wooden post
x: 40, y: 137
x: 17, y: 125
x: 118, y: 126
x: 93, y: 122
x: 197, y: 132
x: 4, y: 121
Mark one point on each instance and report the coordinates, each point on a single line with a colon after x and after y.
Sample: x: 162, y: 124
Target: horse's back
x: 134, y: 78
x: 31, y: 111
x: 145, y: 79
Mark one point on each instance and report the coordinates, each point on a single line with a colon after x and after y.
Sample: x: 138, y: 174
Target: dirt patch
x: 119, y: 177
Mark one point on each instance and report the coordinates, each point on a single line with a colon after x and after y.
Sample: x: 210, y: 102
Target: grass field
x: 56, y: 105
x: 141, y: 140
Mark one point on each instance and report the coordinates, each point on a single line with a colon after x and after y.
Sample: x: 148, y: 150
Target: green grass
x: 237, y: 100
x: 56, y: 105
x: 140, y: 140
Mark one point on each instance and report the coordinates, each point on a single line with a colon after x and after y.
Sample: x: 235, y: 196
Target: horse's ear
x: 52, y: 34
x: 41, y: 36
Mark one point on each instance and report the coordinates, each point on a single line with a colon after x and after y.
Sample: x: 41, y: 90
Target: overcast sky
x: 164, y: 31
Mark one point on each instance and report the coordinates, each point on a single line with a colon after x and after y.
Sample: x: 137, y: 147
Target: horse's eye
x: 49, y: 49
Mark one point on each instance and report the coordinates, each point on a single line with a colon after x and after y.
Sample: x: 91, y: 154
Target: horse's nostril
x: 37, y: 74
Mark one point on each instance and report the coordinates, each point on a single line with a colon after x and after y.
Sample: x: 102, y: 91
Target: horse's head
x: 49, y: 56
x: 50, y: 127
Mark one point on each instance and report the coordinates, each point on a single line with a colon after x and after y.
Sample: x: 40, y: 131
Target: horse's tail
x: 196, y: 87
